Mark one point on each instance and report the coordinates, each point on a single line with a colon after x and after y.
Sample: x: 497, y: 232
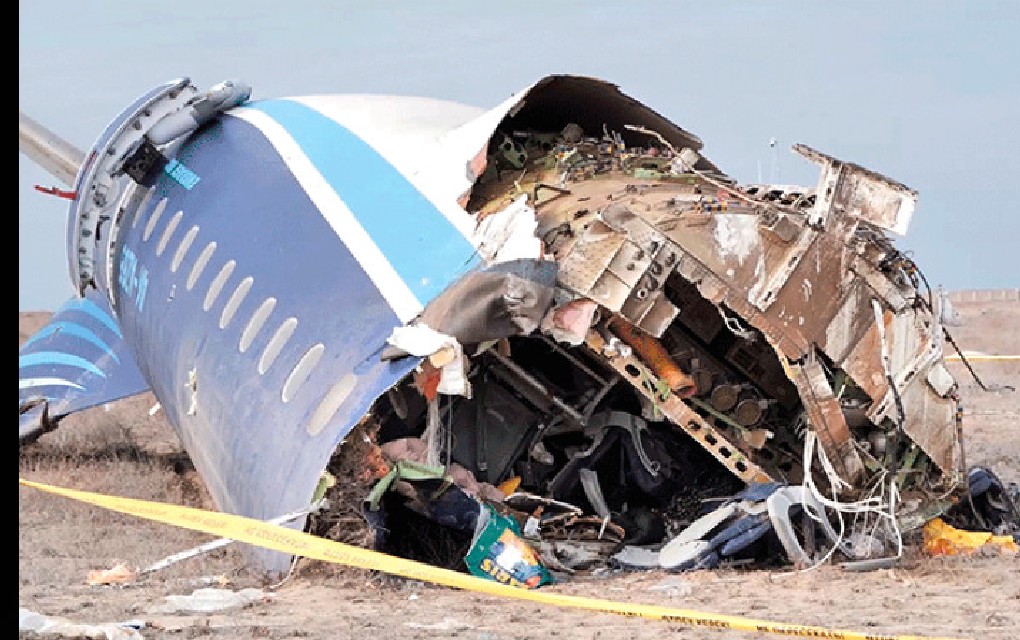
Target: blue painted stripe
x: 71, y: 328
x: 423, y: 247
x: 91, y: 308
x: 58, y: 358
x: 99, y: 314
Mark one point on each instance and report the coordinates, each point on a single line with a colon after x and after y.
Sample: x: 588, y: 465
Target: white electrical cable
x: 734, y: 325
x: 873, y: 505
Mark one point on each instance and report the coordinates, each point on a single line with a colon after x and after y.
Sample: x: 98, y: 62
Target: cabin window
x: 276, y: 343
x: 169, y: 231
x: 235, y: 301
x: 331, y: 402
x: 150, y: 226
x: 255, y: 324
x: 200, y: 264
x: 182, y: 249
x: 217, y: 285
x: 299, y: 374
x: 143, y: 205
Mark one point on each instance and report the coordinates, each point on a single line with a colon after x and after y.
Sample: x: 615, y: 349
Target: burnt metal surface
x: 789, y: 307
x: 741, y: 336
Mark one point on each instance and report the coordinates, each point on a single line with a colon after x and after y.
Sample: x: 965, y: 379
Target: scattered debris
x: 446, y: 624
x: 498, y: 552
x: 209, y: 599
x: 30, y: 621
x: 120, y: 573
x: 941, y: 539
x: 207, y: 547
x: 674, y: 587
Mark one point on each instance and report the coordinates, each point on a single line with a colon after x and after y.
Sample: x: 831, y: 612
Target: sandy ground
x: 124, y: 452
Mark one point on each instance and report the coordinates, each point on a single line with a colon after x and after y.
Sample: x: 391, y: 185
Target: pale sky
x: 926, y: 92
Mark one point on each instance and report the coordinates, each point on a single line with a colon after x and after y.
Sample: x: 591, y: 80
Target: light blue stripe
x: 423, y: 247
x: 58, y: 358
x: 73, y: 329
x: 91, y: 308
x: 98, y: 313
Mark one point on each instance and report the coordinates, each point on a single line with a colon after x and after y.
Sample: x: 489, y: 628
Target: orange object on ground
x: 120, y: 573
x: 941, y: 539
x: 655, y: 355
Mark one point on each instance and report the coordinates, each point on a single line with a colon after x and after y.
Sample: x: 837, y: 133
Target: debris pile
x: 662, y: 368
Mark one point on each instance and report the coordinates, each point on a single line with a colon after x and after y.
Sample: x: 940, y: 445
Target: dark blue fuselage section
x: 264, y: 366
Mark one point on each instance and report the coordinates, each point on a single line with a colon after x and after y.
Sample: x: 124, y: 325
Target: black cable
x: 917, y: 270
x: 970, y: 368
x: 900, y: 431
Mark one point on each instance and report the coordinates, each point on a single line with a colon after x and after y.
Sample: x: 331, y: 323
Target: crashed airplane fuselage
x: 560, y: 303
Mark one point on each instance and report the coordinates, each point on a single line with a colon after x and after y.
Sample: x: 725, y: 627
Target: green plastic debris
x: 326, y: 480
x: 498, y: 552
x: 405, y: 470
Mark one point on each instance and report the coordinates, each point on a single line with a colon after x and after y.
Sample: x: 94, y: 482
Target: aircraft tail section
x: 78, y: 360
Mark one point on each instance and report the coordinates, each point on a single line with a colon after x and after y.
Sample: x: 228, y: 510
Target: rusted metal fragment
x: 740, y: 277
x: 845, y: 188
x: 850, y: 324
x: 621, y: 217
x: 910, y: 344
x: 762, y: 292
x: 941, y: 381
x: 589, y: 257
x: 826, y: 417
x: 783, y: 227
x: 621, y: 262
x: 914, y: 354
x: 651, y: 351
x: 765, y: 290
x: 643, y: 380
x: 630, y: 263
x: 749, y: 258
x: 864, y: 365
x: 786, y: 343
x: 810, y: 297
x: 804, y: 287
x: 930, y: 423
x: 653, y: 315
x: 610, y: 291
x: 882, y: 286
x: 913, y: 348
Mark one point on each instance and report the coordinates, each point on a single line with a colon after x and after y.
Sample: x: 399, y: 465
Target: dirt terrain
x: 122, y: 450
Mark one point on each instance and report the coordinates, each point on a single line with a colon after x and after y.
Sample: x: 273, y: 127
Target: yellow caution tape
x: 280, y: 538
x: 979, y: 357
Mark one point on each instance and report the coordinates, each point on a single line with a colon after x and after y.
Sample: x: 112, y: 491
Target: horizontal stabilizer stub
x: 78, y: 360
